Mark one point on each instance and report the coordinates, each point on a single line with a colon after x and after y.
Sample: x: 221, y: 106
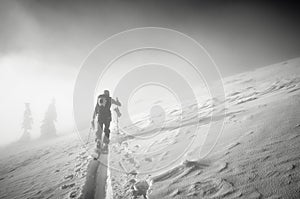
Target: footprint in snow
x: 73, y: 194
x: 67, y: 186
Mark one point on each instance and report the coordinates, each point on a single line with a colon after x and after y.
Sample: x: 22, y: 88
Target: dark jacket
x: 103, y: 112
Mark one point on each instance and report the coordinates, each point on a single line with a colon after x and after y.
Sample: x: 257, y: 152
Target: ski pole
x: 90, y: 130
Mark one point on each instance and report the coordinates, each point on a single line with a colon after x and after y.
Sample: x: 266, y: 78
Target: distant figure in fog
x: 102, y: 110
x: 48, y: 129
x: 27, y: 123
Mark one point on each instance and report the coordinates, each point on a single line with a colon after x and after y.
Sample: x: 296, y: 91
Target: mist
x: 43, y: 44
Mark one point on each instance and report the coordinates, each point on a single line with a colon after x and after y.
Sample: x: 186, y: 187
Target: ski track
x: 215, y: 178
x: 238, y: 169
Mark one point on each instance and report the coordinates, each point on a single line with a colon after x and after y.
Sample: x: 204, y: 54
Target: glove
x: 118, y: 102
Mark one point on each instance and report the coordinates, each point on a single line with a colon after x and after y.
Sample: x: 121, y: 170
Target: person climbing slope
x: 102, y: 110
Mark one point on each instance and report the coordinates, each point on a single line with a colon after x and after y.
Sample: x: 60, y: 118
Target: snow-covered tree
x: 48, y: 129
x: 27, y: 123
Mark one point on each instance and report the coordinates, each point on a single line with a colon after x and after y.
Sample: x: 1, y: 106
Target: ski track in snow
x: 212, y: 178
x: 54, y: 169
x: 241, y: 164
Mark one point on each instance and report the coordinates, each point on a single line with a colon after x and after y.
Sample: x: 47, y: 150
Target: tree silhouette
x: 27, y: 123
x: 48, y: 129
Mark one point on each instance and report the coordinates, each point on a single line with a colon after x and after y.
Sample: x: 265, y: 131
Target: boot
x: 98, y: 144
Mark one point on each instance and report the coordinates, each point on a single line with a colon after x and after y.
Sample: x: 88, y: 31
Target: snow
x: 256, y: 156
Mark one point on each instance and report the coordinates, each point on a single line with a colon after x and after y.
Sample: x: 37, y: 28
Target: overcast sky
x: 44, y: 42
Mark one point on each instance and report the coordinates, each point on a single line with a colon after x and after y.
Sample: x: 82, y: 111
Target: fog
x: 43, y: 44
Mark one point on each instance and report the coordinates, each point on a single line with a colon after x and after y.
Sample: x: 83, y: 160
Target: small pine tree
x: 27, y: 123
x: 48, y: 129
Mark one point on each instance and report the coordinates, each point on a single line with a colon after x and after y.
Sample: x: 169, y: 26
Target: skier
x: 102, y: 110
